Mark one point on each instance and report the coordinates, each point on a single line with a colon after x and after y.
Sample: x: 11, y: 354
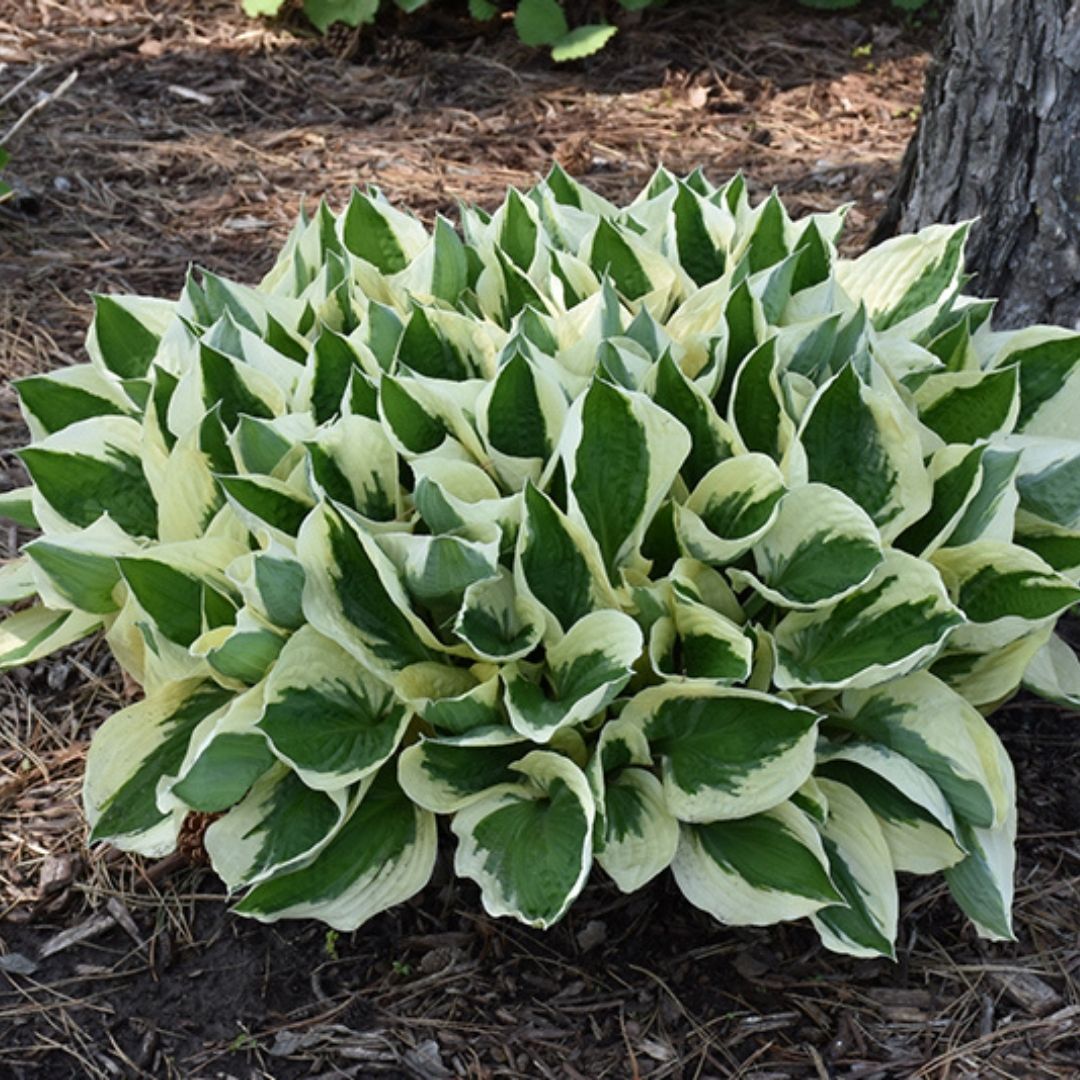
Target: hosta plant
x: 538, y: 22
x: 644, y: 538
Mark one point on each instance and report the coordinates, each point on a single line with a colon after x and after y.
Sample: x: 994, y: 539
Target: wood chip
x: 17, y: 964
x: 594, y: 933
x: 97, y: 924
x: 1028, y: 991
x: 191, y: 95
x: 56, y: 873
x: 123, y: 917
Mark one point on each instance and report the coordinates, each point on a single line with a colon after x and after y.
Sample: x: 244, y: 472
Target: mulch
x: 190, y: 135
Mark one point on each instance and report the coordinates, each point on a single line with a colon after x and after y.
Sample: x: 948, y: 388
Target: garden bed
x: 191, y: 135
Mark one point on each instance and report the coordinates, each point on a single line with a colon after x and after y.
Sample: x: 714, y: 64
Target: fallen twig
x: 22, y: 84
x: 38, y: 105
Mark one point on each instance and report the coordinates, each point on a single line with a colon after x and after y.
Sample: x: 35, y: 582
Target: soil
x: 190, y: 135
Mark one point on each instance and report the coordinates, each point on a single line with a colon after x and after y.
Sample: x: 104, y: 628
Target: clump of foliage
x: 647, y: 537
x: 538, y: 22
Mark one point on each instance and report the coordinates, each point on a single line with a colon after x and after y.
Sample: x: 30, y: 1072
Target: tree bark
x: 999, y: 139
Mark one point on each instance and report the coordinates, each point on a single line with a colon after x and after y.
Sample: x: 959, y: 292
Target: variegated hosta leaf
x: 621, y: 454
x: 269, y: 447
x: 712, y: 438
x: 37, y: 631
x: 757, y: 409
x: 957, y: 473
x: 421, y: 414
x: 694, y: 580
x: 273, y: 584
x: 133, y: 750
x: 520, y: 416
x: 1057, y: 546
x: 991, y: 513
x: 1048, y: 361
x: 637, y: 272
x: 701, y: 327
x: 985, y: 679
x: 183, y: 483
x: 226, y: 754
x: 936, y: 729
x: 382, y: 854
x: 558, y: 563
x: 811, y: 800
x: 460, y: 498
x: 353, y: 463
x: 453, y: 700
x: 439, y: 271
x: 1003, y: 589
x: 242, y: 653
x: 529, y: 848
x: 447, y: 773
x: 380, y: 234
x: 863, y: 441
x: 326, y: 716
x: 18, y: 505
x: 88, y: 469
x: 821, y: 547
x: 732, y: 507
x: 724, y: 753
x: 966, y: 406
x: 1048, y: 479
x: 696, y: 641
x: 906, y: 276
x: 586, y: 669
x: 640, y: 833
x: 756, y: 870
x: 55, y: 401
x: 280, y: 825
x: 890, y: 625
x: 635, y: 835
x: 181, y: 589
x: 982, y: 883
x: 1054, y: 673
x: 657, y: 533
x: 438, y: 570
x: 859, y: 863
x: 354, y: 596
x: 232, y: 385
x: 17, y: 580
x: 498, y: 624
x: 267, y: 506
x: 915, y: 817
x: 126, y: 332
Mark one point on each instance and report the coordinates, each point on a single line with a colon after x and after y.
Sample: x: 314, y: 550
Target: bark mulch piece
x: 190, y: 135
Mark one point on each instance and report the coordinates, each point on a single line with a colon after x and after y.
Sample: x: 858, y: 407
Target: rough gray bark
x: 999, y: 140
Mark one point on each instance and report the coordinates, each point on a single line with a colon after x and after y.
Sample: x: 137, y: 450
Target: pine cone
x: 342, y: 41
x: 191, y: 841
x: 403, y: 55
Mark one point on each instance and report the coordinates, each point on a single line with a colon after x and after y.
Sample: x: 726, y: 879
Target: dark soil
x: 190, y: 135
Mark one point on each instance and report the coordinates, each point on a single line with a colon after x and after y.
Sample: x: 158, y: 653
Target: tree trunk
x: 999, y: 140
